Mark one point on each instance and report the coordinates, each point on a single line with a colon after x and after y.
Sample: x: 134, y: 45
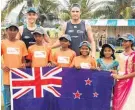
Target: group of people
x: 26, y: 46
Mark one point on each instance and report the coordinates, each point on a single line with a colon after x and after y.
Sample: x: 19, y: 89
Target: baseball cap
x: 12, y: 25
x: 31, y: 9
x: 86, y: 43
x: 128, y: 37
x: 109, y: 45
x: 39, y: 31
x: 66, y: 36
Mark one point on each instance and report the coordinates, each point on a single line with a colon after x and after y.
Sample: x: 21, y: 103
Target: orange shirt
x: 82, y: 62
x: 12, y: 55
x: 63, y: 58
x: 39, y: 55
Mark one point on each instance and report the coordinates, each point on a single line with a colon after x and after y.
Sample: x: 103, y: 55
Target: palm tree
x: 133, y: 14
x: 118, y: 9
x: 86, y: 7
x: 48, y: 10
x: 43, y: 6
x: 10, y: 5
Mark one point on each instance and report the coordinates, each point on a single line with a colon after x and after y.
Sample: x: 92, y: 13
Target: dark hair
x: 132, y: 46
x: 12, y: 27
x: 75, y: 5
x: 39, y: 34
x: 88, y: 53
x: 102, y: 52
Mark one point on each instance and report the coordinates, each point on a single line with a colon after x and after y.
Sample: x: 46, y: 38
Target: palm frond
x: 107, y: 11
x: 13, y: 4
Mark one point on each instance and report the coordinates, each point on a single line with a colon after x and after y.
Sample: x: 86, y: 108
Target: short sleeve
x: 50, y: 55
x: 74, y: 55
x: 54, y: 58
x: 116, y: 63
x: 29, y: 56
x: 98, y: 61
x: 24, y: 49
x: 93, y: 62
x: 73, y: 63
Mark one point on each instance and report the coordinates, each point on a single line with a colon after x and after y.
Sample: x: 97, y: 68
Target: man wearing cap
x: 78, y: 30
x: 64, y: 56
x: 25, y: 31
x: 13, y: 52
x: 38, y: 54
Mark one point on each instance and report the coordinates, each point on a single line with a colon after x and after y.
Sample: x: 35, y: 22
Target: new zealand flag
x: 60, y: 89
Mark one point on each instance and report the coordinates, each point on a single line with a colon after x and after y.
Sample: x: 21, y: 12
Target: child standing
x: 107, y: 58
x: 12, y: 50
x: 85, y: 60
x: 124, y: 91
x: 39, y: 54
x: 64, y: 56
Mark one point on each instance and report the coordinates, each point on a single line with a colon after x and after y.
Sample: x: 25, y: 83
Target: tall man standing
x: 78, y: 30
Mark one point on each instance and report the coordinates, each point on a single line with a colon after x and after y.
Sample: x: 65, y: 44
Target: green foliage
x: 86, y: 6
x: 118, y: 9
x: 44, y: 7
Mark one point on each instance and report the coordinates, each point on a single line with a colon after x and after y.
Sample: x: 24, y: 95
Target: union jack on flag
x: 37, y: 80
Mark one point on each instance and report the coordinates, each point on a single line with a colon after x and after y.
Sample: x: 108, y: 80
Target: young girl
x: 84, y: 60
x: 124, y: 91
x: 107, y: 58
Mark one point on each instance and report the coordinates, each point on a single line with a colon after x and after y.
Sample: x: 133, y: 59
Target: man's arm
x: 91, y: 40
x: 46, y: 37
x: 57, y: 43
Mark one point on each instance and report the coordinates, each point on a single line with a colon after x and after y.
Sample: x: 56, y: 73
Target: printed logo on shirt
x: 62, y: 59
x: 12, y: 50
x: 85, y: 65
x: 26, y: 37
x: 70, y: 31
x: 74, y: 36
x: 80, y: 31
x: 40, y: 54
x: 75, y: 26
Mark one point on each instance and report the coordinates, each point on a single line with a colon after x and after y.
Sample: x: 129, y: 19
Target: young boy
x: 64, y: 56
x: 13, y: 52
x: 39, y: 54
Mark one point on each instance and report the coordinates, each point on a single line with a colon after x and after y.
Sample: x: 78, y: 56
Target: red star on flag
x: 88, y: 82
x: 77, y: 95
x: 95, y: 94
